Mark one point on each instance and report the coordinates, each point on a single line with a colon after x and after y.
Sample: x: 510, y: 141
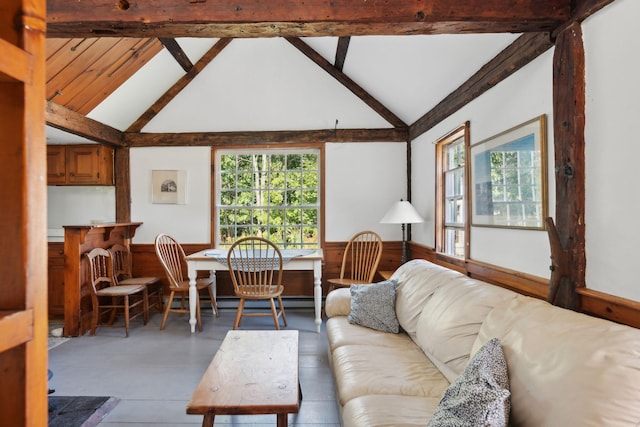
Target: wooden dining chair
x: 255, y: 267
x: 121, y: 257
x: 106, y: 297
x: 359, y: 261
x: 172, y: 258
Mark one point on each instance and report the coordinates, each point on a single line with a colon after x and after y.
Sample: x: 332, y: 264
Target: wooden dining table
x: 213, y: 260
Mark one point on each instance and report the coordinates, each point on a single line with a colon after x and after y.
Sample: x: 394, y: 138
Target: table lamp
x: 402, y: 212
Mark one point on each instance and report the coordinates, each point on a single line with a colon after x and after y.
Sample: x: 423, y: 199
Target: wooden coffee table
x: 253, y: 372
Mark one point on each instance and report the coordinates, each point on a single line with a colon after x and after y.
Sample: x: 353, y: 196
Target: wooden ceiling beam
x: 229, y: 139
x: 582, y: 9
x: 515, y: 56
x: 176, y: 51
x: 75, y: 123
x: 174, y: 90
x: 341, y: 52
x: 376, y: 105
x: 299, y: 18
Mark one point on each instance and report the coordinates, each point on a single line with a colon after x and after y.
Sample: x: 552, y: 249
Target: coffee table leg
x: 282, y: 420
x: 208, y: 420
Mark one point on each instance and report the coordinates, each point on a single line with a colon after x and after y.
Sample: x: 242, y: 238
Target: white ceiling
x: 266, y: 84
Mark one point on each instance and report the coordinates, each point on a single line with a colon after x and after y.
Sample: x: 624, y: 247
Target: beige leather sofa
x: 565, y: 369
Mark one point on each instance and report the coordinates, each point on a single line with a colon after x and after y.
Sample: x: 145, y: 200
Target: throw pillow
x: 480, y: 396
x: 374, y: 306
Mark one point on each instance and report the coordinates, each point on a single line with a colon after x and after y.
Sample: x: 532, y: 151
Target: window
x: 274, y: 194
x: 451, y: 199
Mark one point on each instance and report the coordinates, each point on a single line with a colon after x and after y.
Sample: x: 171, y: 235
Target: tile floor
x: 153, y: 373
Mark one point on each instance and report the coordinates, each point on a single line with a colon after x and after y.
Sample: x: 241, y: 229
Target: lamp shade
x: 402, y: 212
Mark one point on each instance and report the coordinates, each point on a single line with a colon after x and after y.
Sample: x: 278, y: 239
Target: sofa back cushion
x: 417, y: 280
x: 566, y: 368
x: 451, y: 319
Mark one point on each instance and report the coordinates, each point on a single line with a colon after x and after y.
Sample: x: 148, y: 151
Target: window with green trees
x: 274, y: 194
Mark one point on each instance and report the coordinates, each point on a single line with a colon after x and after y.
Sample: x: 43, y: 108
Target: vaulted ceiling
x: 94, y: 46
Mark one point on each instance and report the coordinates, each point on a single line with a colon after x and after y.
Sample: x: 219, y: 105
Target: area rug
x: 79, y: 411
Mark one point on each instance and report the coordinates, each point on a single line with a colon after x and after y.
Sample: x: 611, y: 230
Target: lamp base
x: 404, y: 246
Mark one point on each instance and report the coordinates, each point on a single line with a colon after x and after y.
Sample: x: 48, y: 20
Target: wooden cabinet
x: 56, y: 174
x: 86, y: 164
x: 56, y: 279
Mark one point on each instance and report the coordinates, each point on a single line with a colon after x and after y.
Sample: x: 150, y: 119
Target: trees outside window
x: 270, y: 193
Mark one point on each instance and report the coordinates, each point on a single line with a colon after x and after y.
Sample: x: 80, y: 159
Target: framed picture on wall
x: 168, y: 187
x: 509, y: 178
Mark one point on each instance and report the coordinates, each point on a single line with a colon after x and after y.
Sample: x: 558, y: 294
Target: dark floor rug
x: 78, y: 411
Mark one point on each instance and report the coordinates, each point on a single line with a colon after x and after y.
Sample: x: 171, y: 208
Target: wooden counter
x: 78, y: 240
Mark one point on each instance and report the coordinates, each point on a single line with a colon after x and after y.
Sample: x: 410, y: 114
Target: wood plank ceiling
x: 82, y: 72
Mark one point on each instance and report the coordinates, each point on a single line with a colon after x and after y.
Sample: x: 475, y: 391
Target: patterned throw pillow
x: 480, y: 396
x: 374, y: 306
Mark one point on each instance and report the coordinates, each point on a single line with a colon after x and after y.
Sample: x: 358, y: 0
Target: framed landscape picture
x: 509, y: 178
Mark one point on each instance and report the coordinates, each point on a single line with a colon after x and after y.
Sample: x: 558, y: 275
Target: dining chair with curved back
x: 121, y: 257
x: 359, y: 261
x: 172, y: 258
x: 255, y: 267
x: 107, y: 297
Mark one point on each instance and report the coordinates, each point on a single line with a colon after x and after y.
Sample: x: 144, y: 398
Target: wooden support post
x: 568, y: 241
x: 23, y: 218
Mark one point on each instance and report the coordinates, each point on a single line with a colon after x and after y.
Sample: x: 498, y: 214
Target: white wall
x: 365, y: 179
x: 189, y: 222
x: 612, y: 149
x: 523, y: 96
x: 362, y: 182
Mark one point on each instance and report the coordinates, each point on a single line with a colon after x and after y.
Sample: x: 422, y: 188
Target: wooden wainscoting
x: 610, y: 307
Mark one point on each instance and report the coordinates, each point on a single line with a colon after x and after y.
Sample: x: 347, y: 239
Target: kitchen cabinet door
x: 84, y: 164
x: 56, y: 161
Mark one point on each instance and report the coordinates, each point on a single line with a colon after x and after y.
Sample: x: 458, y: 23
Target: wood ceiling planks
x: 82, y: 72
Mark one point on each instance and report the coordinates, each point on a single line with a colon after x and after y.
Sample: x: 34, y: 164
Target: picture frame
x: 509, y: 178
x: 168, y: 187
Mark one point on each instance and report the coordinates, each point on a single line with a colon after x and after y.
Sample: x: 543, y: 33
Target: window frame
x: 441, y: 226
x: 216, y: 192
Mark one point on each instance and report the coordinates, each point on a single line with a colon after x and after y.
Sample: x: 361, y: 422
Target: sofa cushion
x: 387, y: 410
x: 374, y: 306
x: 480, y: 395
x: 451, y: 319
x: 417, y: 281
x: 340, y: 332
x: 361, y: 370
x: 338, y: 302
x: 566, y: 368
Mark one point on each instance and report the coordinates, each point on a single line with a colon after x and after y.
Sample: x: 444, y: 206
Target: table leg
x: 207, y: 421
x: 317, y: 293
x: 282, y: 420
x: 214, y: 286
x: 193, y: 293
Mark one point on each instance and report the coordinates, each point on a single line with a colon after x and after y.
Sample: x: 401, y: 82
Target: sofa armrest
x: 338, y: 302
